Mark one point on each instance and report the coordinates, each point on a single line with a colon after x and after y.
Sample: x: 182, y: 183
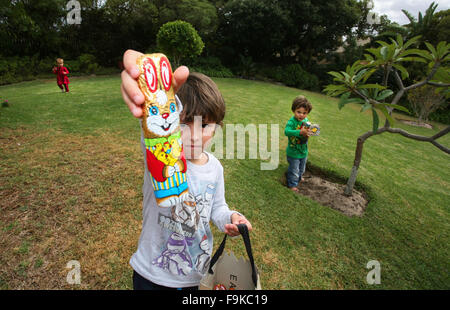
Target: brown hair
x: 301, y: 102
x: 59, y: 60
x: 201, y: 97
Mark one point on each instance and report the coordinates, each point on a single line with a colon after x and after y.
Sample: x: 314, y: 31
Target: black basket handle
x: 245, y: 235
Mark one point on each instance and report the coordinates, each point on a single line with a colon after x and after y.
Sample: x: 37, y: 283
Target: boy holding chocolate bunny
x: 175, y: 245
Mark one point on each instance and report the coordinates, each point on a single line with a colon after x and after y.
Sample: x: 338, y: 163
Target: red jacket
x: 61, y: 75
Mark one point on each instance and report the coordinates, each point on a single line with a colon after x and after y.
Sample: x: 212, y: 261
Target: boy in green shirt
x: 297, y: 133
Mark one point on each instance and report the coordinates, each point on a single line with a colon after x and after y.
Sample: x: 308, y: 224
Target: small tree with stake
x: 351, y: 85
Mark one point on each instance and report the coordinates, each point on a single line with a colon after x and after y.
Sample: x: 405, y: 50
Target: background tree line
x: 291, y: 41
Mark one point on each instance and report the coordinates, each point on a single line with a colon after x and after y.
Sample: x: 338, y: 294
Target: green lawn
x: 71, y: 176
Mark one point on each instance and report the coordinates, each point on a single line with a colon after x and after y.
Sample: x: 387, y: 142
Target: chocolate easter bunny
x: 161, y: 127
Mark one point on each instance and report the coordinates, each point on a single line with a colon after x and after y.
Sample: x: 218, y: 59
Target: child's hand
x: 131, y: 93
x: 232, y: 229
x: 305, y: 132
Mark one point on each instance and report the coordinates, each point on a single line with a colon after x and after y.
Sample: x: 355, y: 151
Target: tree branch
x: 427, y: 79
x: 441, y: 133
x: 423, y: 138
x: 399, y: 80
x: 438, y: 84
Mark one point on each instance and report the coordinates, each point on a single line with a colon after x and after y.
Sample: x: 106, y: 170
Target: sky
x: 393, y: 8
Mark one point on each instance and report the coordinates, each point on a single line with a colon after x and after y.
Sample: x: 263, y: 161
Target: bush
x: 293, y: 75
x: 425, y: 100
x: 87, y: 63
x: 72, y: 65
x: 24, y: 68
x: 45, y: 65
x: 179, y: 39
x: 16, y: 69
x: 222, y: 73
x: 210, y: 66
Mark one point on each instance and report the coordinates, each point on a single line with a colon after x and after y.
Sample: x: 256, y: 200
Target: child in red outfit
x: 61, y: 75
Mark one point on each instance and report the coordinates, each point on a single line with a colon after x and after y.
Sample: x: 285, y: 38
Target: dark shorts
x: 141, y: 283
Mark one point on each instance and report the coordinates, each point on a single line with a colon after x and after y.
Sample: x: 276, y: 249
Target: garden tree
x: 440, y: 27
x: 432, y: 26
x: 425, y: 100
x: 95, y: 35
x: 110, y: 27
x: 296, y: 30
x: 316, y: 27
x: 28, y: 27
x: 351, y: 85
x: 201, y: 14
x: 422, y: 25
x: 254, y: 29
x: 134, y: 22
x: 179, y: 39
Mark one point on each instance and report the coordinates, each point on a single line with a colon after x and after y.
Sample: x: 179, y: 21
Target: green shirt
x: 297, y: 144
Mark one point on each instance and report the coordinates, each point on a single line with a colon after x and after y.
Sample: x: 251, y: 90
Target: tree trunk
x: 358, y: 155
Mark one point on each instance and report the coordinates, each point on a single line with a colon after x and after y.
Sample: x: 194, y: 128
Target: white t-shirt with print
x: 175, y: 245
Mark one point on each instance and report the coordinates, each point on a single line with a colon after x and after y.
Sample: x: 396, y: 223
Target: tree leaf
x: 347, y: 76
x: 368, y: 74
x: 400, y: 40
x: 422, y: 53
x: 384, y: 94
x: 411, y: 41
x: 432, y: 50
x: 343, y: 100
x: 416, y: 59
x: 355, y: 100
x: 442, y: 49
x: 402, y: 70
x: 374, y: 51
x: 384, y: 52
x: 367, y: 86
x: 399, y: 107
x: 337, y: 75
x: 360, y: 75
x: 365, y: 107
x: 376, y: 120
x: 335, y: 90
x: 395, y: 106
x: 386, y: 114
x: 382, y: 43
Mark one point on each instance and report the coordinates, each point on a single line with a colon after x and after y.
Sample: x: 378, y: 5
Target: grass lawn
x: 71, y: 175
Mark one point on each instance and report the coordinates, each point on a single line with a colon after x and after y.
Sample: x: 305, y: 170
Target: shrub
x: 293, y: 75
x: 72, y: 65
x: 211, y: 72
x: 424, y: 100
x: 87, y: 63
x: 210, y: 66
x: 179, y: 39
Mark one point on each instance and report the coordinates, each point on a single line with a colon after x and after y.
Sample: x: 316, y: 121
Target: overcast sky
x: 393, y: 8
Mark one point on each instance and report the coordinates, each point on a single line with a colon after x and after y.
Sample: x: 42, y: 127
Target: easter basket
x: 226, y: 272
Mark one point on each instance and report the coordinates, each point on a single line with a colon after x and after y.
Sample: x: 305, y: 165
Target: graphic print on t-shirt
x: 187, y: 238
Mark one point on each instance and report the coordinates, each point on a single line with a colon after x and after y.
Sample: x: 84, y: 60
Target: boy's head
x: 59, y: 61
x: 301, y: 107
x: 203, y: 109
x: 201, y: 97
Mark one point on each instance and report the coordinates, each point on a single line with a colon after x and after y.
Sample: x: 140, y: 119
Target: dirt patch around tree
x: 414, y: 123
x: 326, y: 192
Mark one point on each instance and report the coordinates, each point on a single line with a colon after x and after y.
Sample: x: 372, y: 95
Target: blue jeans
x: 295, y: 170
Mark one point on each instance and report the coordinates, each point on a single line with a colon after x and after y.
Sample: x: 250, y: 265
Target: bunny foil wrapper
x: 161, y: 128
